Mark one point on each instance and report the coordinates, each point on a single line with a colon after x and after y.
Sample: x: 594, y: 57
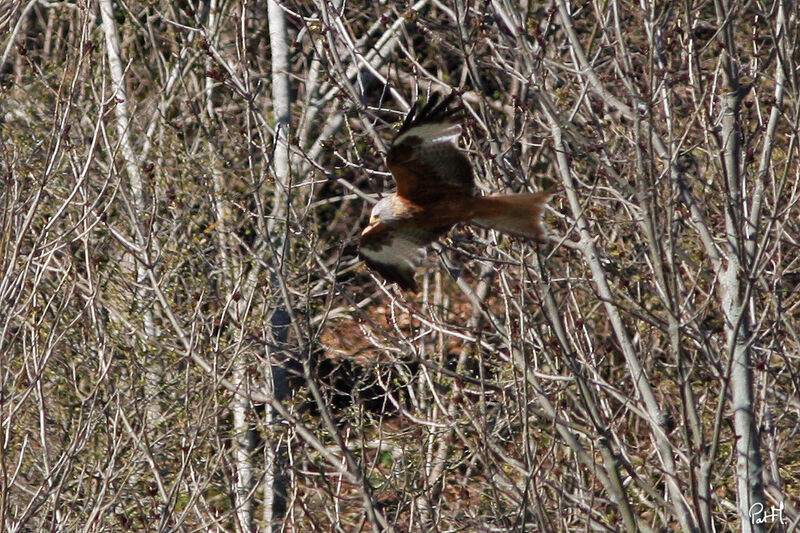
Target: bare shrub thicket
x: 189, y: 342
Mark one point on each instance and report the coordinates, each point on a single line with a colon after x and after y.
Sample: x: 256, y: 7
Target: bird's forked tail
x: 518, y: 214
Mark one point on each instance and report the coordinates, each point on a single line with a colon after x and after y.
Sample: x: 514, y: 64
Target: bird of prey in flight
x: 435, y: 191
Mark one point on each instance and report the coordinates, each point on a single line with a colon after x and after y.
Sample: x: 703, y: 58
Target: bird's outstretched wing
x: 396, y: 252
x: 424, y: 158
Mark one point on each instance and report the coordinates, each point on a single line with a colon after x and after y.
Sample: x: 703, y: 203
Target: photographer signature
x: 758, y: 515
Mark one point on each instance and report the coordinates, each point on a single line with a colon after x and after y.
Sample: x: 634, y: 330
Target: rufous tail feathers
x: 518, y: 214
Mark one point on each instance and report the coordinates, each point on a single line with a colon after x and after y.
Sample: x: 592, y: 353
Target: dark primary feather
x: 435, y: 110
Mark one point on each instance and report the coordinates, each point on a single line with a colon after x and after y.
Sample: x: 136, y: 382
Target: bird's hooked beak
x: 373, y: 222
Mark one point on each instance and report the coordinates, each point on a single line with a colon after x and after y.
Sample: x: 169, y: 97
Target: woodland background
x: 188, y: 341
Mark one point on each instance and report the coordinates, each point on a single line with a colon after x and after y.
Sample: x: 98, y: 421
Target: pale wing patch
x: 399, y: 252
x: 395, y: 254
x: 432, y: 133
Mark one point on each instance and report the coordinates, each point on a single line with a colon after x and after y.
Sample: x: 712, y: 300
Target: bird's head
x: 382, y: 213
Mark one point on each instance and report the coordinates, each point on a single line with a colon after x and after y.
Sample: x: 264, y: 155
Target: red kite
x: 435, y: 191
